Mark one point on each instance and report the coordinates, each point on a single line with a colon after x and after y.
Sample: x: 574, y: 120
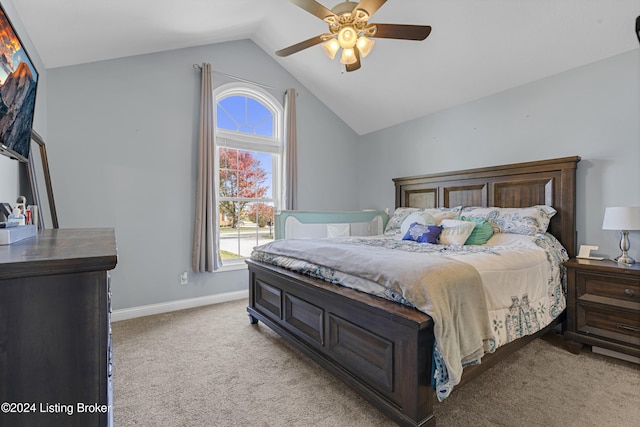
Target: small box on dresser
x: 603, y: 306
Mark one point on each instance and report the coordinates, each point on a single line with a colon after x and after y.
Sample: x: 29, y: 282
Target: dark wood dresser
x: 603, y: 306
x: 55, y: 333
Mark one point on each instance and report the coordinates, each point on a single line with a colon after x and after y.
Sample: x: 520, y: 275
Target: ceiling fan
x: 349, y: 29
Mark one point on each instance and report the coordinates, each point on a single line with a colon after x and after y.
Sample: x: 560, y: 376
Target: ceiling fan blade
x: 313, y: 7
x: 300, y: 46
x: 370, y: 6
x: 355, y: 65
x: 401, y: 31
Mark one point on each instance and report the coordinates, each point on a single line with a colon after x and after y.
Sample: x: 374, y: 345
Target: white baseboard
x: 165, y: 307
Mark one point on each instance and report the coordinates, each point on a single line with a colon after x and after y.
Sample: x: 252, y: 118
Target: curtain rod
x: 198, y: 67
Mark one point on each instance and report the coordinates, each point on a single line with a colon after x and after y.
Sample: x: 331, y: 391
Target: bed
x: 383, y: 349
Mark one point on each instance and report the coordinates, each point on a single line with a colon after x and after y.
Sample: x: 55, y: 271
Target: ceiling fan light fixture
x: 331, y: 47
x: 348, y: 56
x: 364, y: 45
x: 347, y: 37
x: 350, y: 30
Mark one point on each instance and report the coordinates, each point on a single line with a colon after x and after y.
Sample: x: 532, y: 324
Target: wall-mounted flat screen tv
x: 18, y: 82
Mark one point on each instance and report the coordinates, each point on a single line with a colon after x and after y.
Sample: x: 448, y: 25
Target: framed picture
x: 18, y: 88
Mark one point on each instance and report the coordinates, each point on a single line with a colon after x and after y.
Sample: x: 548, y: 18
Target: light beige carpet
x: 209, y: 367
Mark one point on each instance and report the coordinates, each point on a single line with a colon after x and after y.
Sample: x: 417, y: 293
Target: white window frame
x: 245, y: 141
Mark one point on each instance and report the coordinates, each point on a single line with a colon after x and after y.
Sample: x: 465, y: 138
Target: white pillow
x: 455, y: 232
x: 338, y: 230
x: 421, y: 217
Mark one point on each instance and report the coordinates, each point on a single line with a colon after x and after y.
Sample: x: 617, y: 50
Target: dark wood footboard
x: 381, y: 349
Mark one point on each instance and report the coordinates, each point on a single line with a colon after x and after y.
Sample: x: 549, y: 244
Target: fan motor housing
x: 344, y: 7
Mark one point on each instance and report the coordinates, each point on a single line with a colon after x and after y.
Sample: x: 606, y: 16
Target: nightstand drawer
x: 607, y: 286
x: 610, y: 323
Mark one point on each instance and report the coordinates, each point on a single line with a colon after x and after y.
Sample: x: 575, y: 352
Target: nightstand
x: 603, y: 306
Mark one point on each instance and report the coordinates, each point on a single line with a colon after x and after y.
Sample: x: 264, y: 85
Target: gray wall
x: 592, y: 111
x: 123, y: 136
x: 10, y: 185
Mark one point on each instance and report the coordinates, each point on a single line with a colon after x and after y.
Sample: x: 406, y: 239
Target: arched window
x: 249, y: 150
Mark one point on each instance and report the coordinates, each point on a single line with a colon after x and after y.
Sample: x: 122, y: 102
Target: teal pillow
x: 481, y: 233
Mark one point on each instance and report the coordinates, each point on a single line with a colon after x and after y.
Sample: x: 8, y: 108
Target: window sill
x: 233, y: 266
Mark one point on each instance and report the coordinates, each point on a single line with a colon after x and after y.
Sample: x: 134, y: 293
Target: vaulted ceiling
x: 476, y: 48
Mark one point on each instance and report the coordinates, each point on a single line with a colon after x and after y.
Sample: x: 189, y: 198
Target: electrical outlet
x: 184, y: 278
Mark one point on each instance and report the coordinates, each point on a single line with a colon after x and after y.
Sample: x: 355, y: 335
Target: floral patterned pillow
x: 394, y: 226
x: 396, y: 220
x: 526, y: 221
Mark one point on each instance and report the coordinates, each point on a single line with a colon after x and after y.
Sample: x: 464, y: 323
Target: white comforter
x: 523, y: 286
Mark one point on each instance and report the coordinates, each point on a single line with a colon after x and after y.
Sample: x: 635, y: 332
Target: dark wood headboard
x: 546, y: 182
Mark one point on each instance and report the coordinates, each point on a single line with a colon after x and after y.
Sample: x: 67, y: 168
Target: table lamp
x: 622, y: 219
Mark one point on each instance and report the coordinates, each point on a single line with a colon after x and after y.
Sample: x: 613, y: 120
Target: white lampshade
x: 621, y: 218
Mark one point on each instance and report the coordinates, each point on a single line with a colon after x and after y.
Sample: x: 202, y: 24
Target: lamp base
x: 625, y: 259
x: 624, y: 247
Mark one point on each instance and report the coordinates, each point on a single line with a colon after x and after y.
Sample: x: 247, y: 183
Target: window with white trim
x: 249, y: 150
